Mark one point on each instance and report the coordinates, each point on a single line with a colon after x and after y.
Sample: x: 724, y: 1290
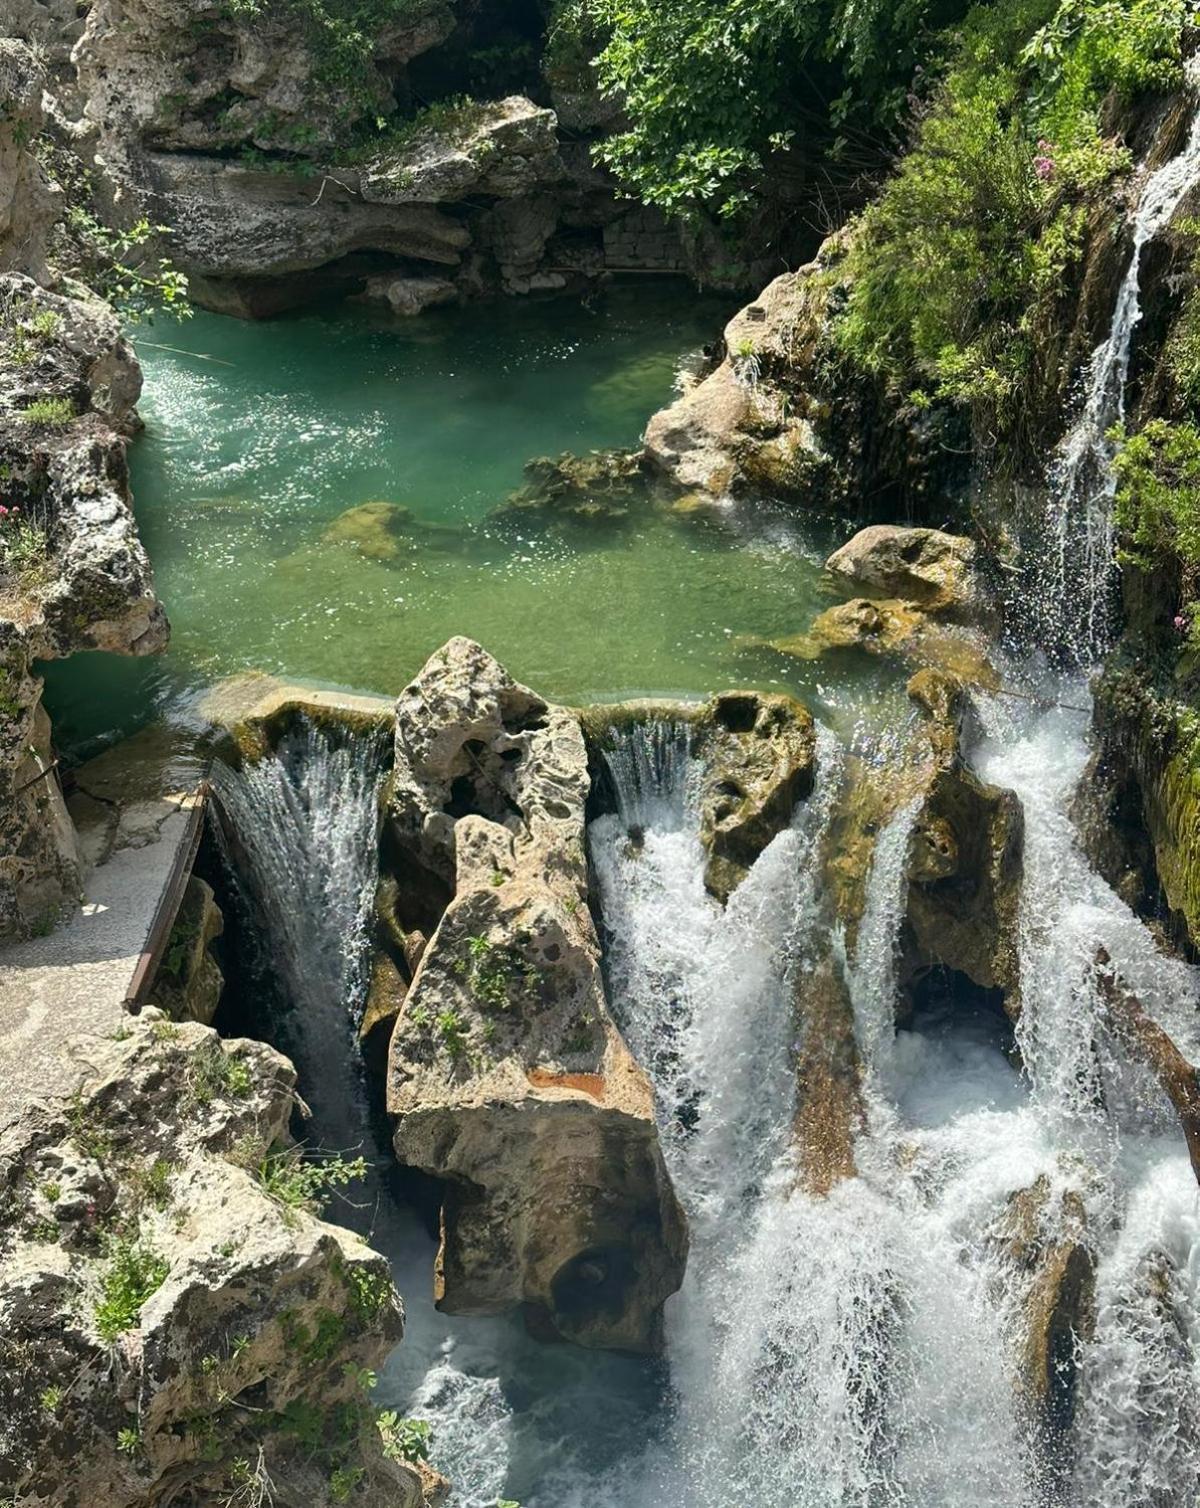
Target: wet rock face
x: 1043, y: 1236
x: 758, y: 753
x: 164, y: 1317
x: 965, y: 859
x: 507, y: 1077
x: 73, y: 574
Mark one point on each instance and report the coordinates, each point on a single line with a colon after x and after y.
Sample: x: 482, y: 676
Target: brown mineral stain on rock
x: 584, y: 1083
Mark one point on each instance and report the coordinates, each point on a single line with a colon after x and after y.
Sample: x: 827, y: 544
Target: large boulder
x: 934, y: 571
x: 507, y: 1077
x: 749, y: 426
x: 169, y: 1317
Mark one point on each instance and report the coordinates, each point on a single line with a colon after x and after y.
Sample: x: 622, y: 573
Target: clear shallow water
x: 258, y: 436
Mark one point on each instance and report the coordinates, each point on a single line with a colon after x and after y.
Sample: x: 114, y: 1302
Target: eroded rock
x: 73, y: 574
x: 935, y: 571
x: 507, y: 1077
x: 1043, y: 1235
x: 165, y: 1318
x: 758, y: 751
x: 28, y: 206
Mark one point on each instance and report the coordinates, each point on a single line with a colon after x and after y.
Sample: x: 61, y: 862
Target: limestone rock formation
x: 73, y: 574
x: 935, y: 571
x: 746, y: 427
x: 169, y: 1324
x: 28, y: 205
x: 507, y: 1077
x: 758, y: 752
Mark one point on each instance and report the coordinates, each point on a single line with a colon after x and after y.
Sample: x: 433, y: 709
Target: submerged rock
x: 602, y: 487
x: 380, y: 531
x: 507, y: 1077
x: 190, y: 1322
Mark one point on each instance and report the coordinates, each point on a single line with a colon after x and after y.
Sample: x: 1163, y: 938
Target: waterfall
x: 872, y: 975
x: 1081, y: 478
x: 1137, y: 1433
x: 299, y: 828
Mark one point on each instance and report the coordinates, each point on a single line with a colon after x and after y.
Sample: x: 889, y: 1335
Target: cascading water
x: 1137, y: 1436
x: 1080, y: 520
x: 303, y: 823
x: 835, y: 1351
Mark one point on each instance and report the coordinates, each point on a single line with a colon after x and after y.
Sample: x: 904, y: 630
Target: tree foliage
x: 712, y: 88
x: 958, y: 267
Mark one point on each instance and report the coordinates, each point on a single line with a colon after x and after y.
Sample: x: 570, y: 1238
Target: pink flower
x: 1044, y: 168
x: 3, y: 511
x: 1180, y: 623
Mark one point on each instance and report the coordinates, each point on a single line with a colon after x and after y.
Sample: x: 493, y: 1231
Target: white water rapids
x: 860, y: 1350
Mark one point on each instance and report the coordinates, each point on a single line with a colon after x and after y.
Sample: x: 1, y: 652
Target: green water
x: 259, y: 435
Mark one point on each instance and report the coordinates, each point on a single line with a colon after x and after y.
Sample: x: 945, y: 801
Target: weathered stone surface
x: 28, y: 205
x: 506, y: 150
x: 748, y: 427
x: 937, y: 572
x: 965, y: 859
x: 254, y: 1314
x: 73, y: 574
x: 189, y: 981
x: 410, y: 295
x: 187, y: 76
x: 507, y: 1077
x: 758, y: 752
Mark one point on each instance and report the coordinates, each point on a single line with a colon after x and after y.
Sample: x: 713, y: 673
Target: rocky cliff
x: 178, y: 1325
x: 73, y: 574
x: 507, y: 1078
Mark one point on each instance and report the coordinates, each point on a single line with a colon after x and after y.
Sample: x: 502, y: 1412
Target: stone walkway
x: 133, y: 809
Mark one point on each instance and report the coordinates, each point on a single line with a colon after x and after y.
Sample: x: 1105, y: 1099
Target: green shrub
x: 958, y: 267
x: 296, y: 1184
x: 133, y: 1274
x: 404, y: 1439
x: 1158, y: 493
x: 49, y: 413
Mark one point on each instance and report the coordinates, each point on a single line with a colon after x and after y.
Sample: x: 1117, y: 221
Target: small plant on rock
x: 135, y: 1272
x: 299, y: 1185
x: 404, y: 1439
x: 49, y: 413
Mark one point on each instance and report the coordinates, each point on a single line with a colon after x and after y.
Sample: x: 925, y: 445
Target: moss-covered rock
x: 173, y: 1310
